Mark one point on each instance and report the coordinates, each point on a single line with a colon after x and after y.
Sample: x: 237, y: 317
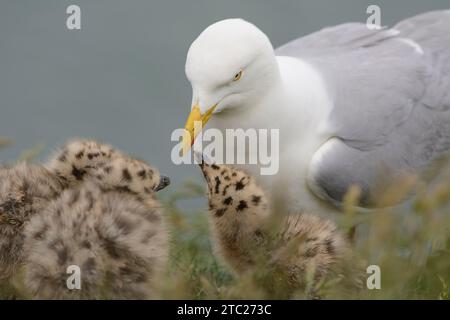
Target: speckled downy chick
x: 248, y: 231
x: 25, y: 190
x: 110, y: 226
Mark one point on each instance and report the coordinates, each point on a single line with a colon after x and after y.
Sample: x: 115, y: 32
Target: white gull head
x: 230, y: 65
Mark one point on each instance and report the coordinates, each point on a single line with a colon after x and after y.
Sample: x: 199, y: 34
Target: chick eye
x: 237, y: 76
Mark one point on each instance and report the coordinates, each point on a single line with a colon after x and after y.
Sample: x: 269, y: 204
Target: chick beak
x: 163, y: 182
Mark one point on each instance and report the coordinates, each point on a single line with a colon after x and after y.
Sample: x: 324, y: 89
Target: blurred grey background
x: 121, y: 77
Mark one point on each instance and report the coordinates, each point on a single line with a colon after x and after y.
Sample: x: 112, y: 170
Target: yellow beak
x: 194, y: 125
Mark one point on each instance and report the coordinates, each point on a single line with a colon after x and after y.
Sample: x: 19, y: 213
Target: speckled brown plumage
x: 119, y: 243
x: 90, y: 206
x: 248, y: 231
x: 25, y: 190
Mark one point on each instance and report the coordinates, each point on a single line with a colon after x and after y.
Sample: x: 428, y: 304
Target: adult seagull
x: 354, y: 106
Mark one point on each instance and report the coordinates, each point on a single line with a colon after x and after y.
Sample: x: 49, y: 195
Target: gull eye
x: 237, y: 76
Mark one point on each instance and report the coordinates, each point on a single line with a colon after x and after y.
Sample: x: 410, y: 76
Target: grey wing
x: 391, y: 94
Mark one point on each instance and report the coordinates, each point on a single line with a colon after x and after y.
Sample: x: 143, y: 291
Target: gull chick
x: 89, y: 206
x: 247, y: 232
x: 107, y: 223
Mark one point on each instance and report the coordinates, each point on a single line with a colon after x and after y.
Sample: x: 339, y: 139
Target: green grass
x: 194, y: 272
